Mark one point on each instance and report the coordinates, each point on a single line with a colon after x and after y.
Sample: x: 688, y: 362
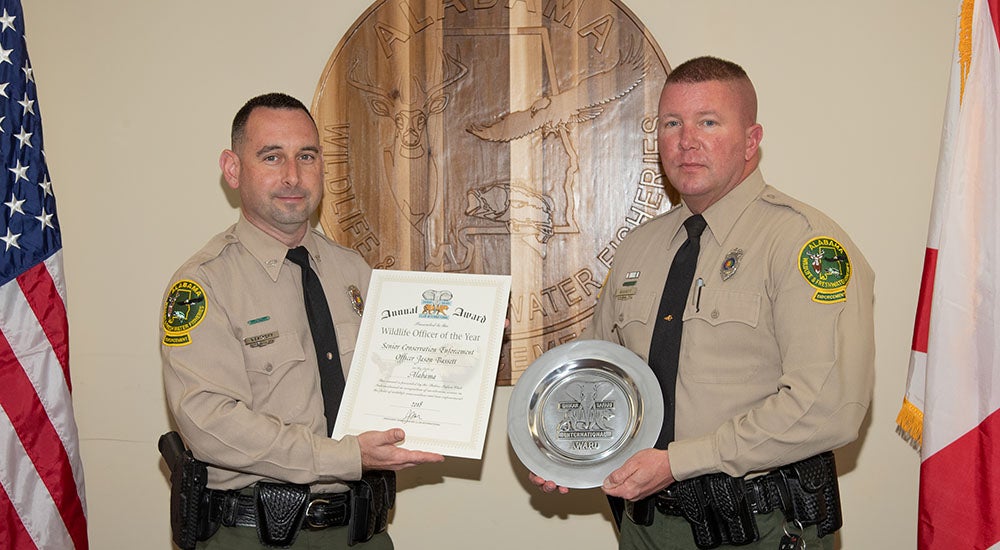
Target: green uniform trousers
x: 674, y: 533
x: 333, y: 538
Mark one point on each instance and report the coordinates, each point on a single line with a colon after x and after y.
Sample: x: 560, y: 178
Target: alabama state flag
x: 951, y: 410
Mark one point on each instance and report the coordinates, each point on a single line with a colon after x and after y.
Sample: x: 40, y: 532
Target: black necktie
x: 331, y: 375
x: 665, y: 346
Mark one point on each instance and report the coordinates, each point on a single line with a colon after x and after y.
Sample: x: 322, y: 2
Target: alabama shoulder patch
x: 185, y: 307
x: 824, y: 264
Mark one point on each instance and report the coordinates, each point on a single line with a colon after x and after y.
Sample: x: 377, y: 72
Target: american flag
x: 42, y: 502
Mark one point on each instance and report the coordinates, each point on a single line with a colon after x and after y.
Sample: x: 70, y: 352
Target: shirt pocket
x: 347, y: 339
x: 722, y: 343
x: 279, y: 374
x: 269, y: 353
x: 270, y: 358
x: 717, y: 307
x: 632, y: 321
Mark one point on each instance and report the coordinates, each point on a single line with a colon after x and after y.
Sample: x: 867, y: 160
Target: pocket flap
x: 725, y: 306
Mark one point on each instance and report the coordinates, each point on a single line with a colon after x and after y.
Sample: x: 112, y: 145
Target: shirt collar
x: 723, y: 214
x: 267, y: 250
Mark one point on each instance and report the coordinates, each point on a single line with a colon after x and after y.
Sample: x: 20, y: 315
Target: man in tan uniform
x: 776, y: 356
x: 240, y: 365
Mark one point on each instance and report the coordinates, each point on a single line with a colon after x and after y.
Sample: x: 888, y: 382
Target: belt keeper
x: 784, y: 493
x: 228, y: 506
x: 758, y: 500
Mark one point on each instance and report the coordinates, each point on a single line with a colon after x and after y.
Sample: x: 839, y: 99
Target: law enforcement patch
x: 185, y: 307
x: 824, y: 265
x: 356, y: 300
x: 731, y: 263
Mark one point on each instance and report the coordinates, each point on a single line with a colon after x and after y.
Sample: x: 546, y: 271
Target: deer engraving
x: 416, y: 189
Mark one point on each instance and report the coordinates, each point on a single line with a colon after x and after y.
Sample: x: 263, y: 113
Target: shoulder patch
x: 184, y: 309
x: 824, y: 264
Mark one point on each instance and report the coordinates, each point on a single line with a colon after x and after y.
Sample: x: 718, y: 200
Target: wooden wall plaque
x: 495, y: 136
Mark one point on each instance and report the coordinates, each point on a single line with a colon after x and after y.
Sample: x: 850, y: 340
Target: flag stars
x: 46, y: 185
x: 45, y: 219
x: 29, y: 73
x: 3, y: 89
x: 24, y: 137
x: 21, y: 172
x: 5, y: 56
x: 7, y: 21
x: 28, y: 104
x: 11, y: 239
x: 15, y: 205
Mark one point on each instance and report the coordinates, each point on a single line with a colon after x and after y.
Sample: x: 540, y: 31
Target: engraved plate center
x: 586, y: 413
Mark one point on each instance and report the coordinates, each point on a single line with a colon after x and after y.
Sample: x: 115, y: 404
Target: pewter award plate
x: 581, y: 410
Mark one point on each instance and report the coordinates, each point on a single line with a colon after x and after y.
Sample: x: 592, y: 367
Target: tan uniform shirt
x: 767, y: 376
x: 243, y: 383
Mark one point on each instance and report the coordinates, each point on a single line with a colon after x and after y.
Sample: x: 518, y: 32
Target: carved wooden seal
x: 495, y: 136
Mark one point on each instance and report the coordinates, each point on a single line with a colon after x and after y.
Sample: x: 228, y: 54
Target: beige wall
x: 137, y: 98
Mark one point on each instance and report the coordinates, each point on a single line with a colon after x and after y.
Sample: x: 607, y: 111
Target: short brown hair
x: 706, y: 68
x: 274, y: 100
x: 713, y: 69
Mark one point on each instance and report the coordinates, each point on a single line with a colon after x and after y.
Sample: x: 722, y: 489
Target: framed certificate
x: 426, y: 359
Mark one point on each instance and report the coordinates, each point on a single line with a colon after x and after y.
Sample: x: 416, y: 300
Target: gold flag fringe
x: 965, y: 43
x: 910, y: 424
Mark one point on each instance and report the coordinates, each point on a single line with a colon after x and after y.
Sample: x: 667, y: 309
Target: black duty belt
x: 236, y: 509
x: 763, y: 495
x: 721, y: 509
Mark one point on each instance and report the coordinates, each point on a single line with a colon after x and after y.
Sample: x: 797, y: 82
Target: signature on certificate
x: 411, y: 414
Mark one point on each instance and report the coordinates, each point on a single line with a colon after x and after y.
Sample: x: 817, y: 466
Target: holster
x: 280, y: 511
x: 371, y: 499
x: 697, y: 509
x: 813, y: 493
x: 737, y: 524
x: 188, y: 496
x: 716, y: 508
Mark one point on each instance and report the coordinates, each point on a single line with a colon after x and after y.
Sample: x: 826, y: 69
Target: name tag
x: 261, y: 340
x: 625, y: 293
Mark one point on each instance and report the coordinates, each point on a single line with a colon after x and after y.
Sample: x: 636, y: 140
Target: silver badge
x: 731, y: 263
x: 356, y: 300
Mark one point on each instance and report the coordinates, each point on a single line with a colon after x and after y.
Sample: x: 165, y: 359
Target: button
x: 621, y: 316
x: 268, y: 368
x: 715, y: 314
x: 329, y: 356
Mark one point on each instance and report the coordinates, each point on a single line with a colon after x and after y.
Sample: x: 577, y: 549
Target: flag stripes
x: 951, y: 410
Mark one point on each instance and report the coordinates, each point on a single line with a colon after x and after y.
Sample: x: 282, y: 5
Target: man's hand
x: 645, y: 473
x: 546, y: 485
x: 379, y: 451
